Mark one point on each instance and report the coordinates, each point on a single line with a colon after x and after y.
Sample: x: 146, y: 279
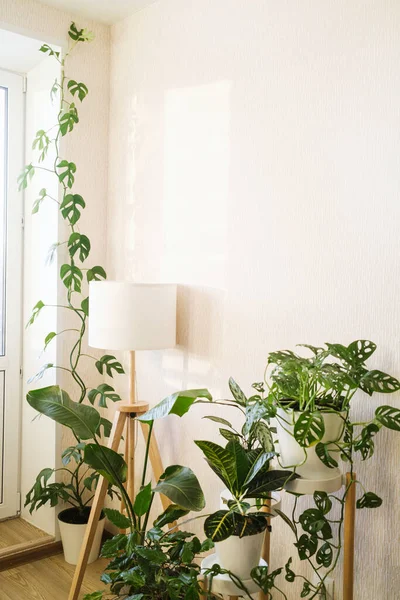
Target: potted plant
x: 310, y: 398
x: 75, y: 491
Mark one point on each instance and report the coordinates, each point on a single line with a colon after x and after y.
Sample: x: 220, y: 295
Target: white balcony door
x: 11, y: 211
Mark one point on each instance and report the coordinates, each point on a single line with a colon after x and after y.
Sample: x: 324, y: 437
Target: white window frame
x: 10, y: 401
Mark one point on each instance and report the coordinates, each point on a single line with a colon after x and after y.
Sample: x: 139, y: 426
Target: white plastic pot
x: 240, y: 555
x: 292, y: 454
x: 72, y: 535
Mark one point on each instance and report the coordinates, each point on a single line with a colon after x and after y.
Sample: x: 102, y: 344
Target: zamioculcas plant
x: 68, y: 94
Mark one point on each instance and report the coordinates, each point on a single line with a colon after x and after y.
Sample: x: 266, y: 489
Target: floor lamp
x: 127, y: 316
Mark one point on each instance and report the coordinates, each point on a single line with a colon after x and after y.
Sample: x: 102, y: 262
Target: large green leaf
x: 377, y: 381
x: 259, y: 462
x: 176, y: 404
x: 313, y: 521
x: 360, y: 350
x: 105, y: 461
x: 307, y: 546
x: 171, y: 513
x: 109, y: 363
x: 143, y: 501
x: 182, y: 487
x: 268, y: 482
x: 221, y: 461
x: 224, y: 523
x: 105, y: 392
x: 55, y: 403
x: 241, y: 462
x: 322, y: 451
x: 79, y: 243
x: 70, y: 207
x: 369, y: 500
x: 71, y: 276
x: 309, y: 428
x: 117, y: 518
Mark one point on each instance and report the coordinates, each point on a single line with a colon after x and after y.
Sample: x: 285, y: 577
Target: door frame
x: 10, y: 363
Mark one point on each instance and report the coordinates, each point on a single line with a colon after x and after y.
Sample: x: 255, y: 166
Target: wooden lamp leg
x: 349, y: 529
x: 97, y: 506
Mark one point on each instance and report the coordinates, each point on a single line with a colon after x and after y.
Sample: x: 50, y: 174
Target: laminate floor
x: 47, y: 579
x: 14, y: 532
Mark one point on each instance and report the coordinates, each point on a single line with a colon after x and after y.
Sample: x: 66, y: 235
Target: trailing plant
x: 68, y: 93
x: 300, y: 393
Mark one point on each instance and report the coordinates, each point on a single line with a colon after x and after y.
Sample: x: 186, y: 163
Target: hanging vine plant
x: 75, y: 275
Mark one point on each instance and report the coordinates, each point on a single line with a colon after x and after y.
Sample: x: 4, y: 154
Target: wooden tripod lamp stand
x: 127, y: 316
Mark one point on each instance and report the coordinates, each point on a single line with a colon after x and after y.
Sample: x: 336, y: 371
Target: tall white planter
x: 292, y: 454
x: 240, y: 555
x: 72, y: 536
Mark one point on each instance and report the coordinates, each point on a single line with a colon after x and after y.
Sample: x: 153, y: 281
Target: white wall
x: 254, y: 158
x: 88, y: 148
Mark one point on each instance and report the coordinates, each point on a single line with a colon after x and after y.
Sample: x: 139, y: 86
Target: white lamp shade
x: 132, y: 316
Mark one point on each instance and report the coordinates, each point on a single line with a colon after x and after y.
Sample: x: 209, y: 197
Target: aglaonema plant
x: 73, y: 271
x: 300, y: 393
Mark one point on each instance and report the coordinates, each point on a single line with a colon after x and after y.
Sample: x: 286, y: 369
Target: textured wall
x: 88, y: 148
x: 254, y: 159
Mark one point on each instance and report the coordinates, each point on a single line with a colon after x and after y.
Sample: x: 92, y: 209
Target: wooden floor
x: 17, y: 531
x: 48, y: 579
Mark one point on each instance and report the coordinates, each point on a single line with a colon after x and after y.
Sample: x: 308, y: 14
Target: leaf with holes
x: 309, y: 428
x: 46, y: 49
x: 281, y: 356
x: 306, y: 590
x: 323, y: 502
x: 324, y: 555
x: 105, y: 392
x: 96, y: 274
x: 290, y: 575
x: 41, y: 143
x: 69, y: 207
x: 366, y: 445
x: 72, y: 452
x: 67, y: 173
x: 313, y: 521
x: 35, y: 312
x: 38, y: 201
x: 306, y: 546
x: 25, y: 177
x: 109, y: 363
x: 339, y: 351
x: 106, y: 425
x: 369, y: 500
x: 78, y: 88
x: 237, y: 392
x: 389, y: 417
x: 79, y: 243
x: 263, y: 579
x: 68, y: 120
x: 71, y: 277
x: 322, y: 451
x: 360, y: 350
x: 116, y: 518
x: 377, y: 381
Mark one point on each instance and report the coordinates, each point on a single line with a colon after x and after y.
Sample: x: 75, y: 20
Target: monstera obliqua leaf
x: 181, y: 486
x: 105, y: 461
x: 176, y: 404
x: 55, y: 403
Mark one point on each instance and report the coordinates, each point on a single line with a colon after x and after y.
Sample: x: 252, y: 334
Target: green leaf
x: 50, y: 336
x: 262, y: 433
x: 96, y: 274
x: 237, y: 392
x: 182, y: 487
x: 290, y: 575
x: 69, y: 207
x: 72, y: 452
x: 307, y: 546
x: 314, y: 521
x: 260, y: 461
x: 264, y: 580
x: 218, y: 420
x: 172, y: 513
x: 389, y: 417
x: 176, y: 404
x: 155, y: 556
x: 269, y: 482
x: 339, y: 351
x: 79, y: 243
x: 241, y: 463
x: 38, y: 201
x: 94, y: 596
x: 369, y: 500
x: 35, y: 313
x: 78, y: 88
x: 106, y: 392
x: 322, y: 451
x: 68, y: 120
x: 105, y: 461
x: 46, y: 49
x: 306, y: 590
x: 117, y: 518
x: 360, y: 350
x: 71, y: 277
x: 323, y: 502
x: 55, y: 403
x: 112, y: 547
x: 222, y: 524
x: 80, y: 35
x: 42, y: 143
x: 109, y: 363
x: 221, y: 461
x: 229, y: 435
x: 25, y: 177
x: 365, y: 445
x: 280, y: 357
x: 377, y: 381
x: 143, y: 501
x: 324, y: 555
x: 67, y: 173
x: 309, y: 428
x: 85, y: 306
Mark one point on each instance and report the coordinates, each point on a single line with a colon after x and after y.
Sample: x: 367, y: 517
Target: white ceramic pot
x: 292, y: 454
x: 72, y: 535
x: 240, y: 555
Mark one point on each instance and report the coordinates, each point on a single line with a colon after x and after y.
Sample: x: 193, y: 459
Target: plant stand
x: 223, y: 585
x: 124, y: 417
